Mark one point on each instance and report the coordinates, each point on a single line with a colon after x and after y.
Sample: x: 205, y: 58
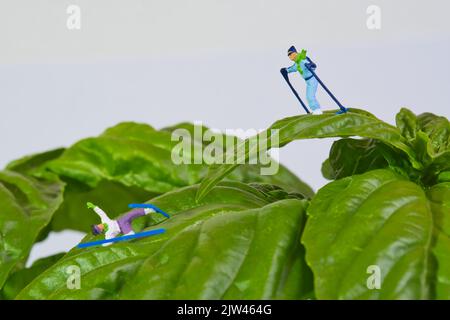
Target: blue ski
x: 122, y: 238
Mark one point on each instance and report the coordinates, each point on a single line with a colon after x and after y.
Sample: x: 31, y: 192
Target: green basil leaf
x: 354, y: 123
x: 132, y: 162
x: 33, y: 164
x: 129, y: 162
x: 20, y: 279
x: 239, y: 242
x: 137, y: 155
x: 284, y: 178
x: 27, y: 206
x: 437, y: 129
x: 406, y: 122
x: 429, y: 136
x: 439, y: 196
x: 354, y: 156
x: 375, y: 219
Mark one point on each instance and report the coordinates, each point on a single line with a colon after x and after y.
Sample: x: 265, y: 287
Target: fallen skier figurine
x: 306, y: 67
x: 112, y: 228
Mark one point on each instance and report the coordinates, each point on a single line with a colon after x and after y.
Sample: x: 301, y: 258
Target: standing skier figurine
x: 304, y: 65
x: 112, y: 228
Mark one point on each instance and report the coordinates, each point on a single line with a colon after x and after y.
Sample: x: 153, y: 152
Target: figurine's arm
x: 103, y: 216
x: 292, y: 68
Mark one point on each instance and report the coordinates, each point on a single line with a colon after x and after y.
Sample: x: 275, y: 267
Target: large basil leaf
x: 132, y: 162
x: 33, y: 164
x: 354, y: 156
x: 27, y: 206
x: 136, y: 155
x: 284, y: 178
x: 406, y: 122
x: 111, y: 196
x: 354, y: 123
x: 375, y: 219
x: 239, y: 242
x: 72, y: 213
x: 439, y: 196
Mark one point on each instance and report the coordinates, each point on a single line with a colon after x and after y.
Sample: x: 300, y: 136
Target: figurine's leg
x: 149, y: 210
x: 311, y: 89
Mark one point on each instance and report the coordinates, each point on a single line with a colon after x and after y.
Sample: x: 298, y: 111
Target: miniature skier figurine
x: 112, y: 228
x: 302, y: 64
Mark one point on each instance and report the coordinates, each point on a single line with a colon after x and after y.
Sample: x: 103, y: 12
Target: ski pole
x: 343, y: 109
x: 285, y: 76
